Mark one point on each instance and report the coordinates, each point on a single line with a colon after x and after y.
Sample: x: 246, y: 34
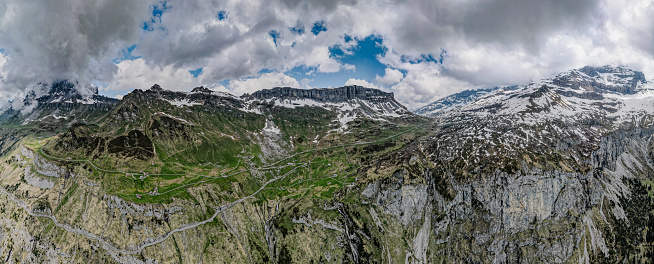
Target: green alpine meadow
x: 326, y: 132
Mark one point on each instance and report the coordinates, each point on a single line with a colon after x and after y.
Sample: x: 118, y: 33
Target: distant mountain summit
x: 66, y: 92
x: 587, y: 82
x: 452, y: 102
x: 602, y: 79
x: 61, y: 106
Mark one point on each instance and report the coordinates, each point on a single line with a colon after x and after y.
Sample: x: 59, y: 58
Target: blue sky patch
x: 196, y: 72
x: 363, y: 56
x: 222, y: 15
x: 224, y: 82
x: 126, y: 54
x: 318, y: 27
x: 336, y: 52
x: 274, y: 34
x: 264, y: 71
x: 157, y: 10
x: 160, y: 8
x: 425, y: 58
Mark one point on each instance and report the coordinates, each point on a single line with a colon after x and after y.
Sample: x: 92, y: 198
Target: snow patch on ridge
x: 377, y: 111
x: 183, y: 102
x: 271, y: 128
x: 174, y: 117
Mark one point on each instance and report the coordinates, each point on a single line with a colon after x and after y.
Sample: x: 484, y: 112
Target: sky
x: 421, y: 50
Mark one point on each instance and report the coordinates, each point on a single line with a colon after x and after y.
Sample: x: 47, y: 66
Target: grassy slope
x: 217, y: 145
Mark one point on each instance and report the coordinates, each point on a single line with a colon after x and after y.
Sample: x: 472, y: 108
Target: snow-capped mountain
x: 452, y: 102
x: 65, y: 92
x: 606, y: 79
x: 554, y: 118
x: 62, y: 104
x: 554, y: 171
x: 614, y: 93
x: 349, y: 102
x: 369, y: 102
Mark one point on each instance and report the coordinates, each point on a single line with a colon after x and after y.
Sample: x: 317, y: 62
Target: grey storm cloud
x: 426, y: 26
x: 62, y: 39
x: 529, y: 21
x: 487, y: 42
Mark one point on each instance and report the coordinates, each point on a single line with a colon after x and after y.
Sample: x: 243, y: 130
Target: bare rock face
x: 405, y: 201
x: 553, y: 195
x: 201, y: 89
x: 334, y: 95
x: 28, y: 153
x: 496, y: 216
x: 47, y: 168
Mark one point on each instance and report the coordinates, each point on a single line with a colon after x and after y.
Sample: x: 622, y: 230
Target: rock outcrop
x: 333, y: 95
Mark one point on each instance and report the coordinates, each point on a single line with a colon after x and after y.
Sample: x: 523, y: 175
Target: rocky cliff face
x: 333, y: 95
x: 535, y: 174
x: 602, y: 79
x: 531, y: 215
x: 349, y: 102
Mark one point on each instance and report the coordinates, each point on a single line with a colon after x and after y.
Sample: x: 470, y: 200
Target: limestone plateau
x: 555, y: 171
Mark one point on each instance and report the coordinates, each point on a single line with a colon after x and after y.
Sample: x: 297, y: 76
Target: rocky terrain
x: 452, y: 102
x: 556, y: 171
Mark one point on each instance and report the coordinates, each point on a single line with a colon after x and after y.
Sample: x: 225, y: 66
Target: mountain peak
x: 588, y: 82
x: 65, y: 91
x: 156, y: 88
x: 612, y: 79
x: 452, y: 102
x: 201, y: 89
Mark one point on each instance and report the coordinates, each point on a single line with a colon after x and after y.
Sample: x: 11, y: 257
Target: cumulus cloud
x: 241, y: 44
x: 360, y: 82
x: 3, y: 61
x: 424, y: 83
x: 137, y: 74
x: 391, y: 76
x: 432, y: 47
x: 264, y: 81
x: 48, y: 40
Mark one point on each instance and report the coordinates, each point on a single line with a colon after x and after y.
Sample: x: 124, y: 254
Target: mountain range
x: 555, y: 171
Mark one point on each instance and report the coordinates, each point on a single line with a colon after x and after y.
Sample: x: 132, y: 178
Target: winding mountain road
x: 151, y: 242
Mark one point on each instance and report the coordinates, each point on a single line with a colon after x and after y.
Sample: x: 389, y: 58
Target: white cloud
x: 360, y: 82
x: 65, y: 39
x: 425, y: 83
x: 349, y: 67
x: 137, y: 74
x: 3, y: 61
x: 486, y: 43
x: 391, y: 76
x: 264, y: 81
x: 304, y: 83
